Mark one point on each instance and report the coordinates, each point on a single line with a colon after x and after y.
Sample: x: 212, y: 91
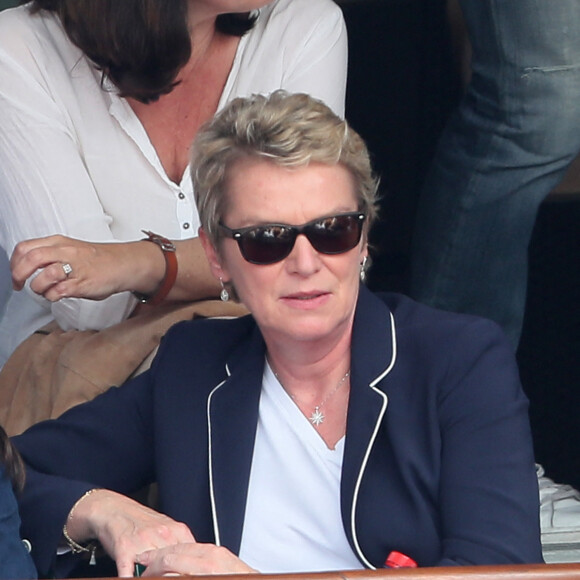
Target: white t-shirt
x: 74, y: 159
x: 293, y: 521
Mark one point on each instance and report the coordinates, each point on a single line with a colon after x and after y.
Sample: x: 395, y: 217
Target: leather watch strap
x: 168, y: 249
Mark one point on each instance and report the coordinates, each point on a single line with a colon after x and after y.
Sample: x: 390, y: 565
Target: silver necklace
x: 318, y: 416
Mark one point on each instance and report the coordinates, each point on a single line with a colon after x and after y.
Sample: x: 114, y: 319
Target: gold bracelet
x: 75, y: 547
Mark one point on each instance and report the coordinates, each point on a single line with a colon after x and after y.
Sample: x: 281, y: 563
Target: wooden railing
x: 508, y: 572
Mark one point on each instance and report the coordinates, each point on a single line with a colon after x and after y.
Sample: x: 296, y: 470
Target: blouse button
x: 186, y: 226
x: 181, y: 195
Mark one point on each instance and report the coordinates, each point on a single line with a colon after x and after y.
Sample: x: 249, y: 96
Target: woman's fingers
x: 147, y: 535
x: 32, y: 255
x: 191, y: 558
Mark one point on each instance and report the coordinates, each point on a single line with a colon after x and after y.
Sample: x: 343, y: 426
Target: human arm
x: 44, y: 181
x: 106, y: 443
x: 150, y: 429
x: 488, y: 486
x: 102, y: 269
x: 75, y: 161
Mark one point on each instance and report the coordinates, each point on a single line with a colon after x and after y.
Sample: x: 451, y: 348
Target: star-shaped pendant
x: 317, y: 417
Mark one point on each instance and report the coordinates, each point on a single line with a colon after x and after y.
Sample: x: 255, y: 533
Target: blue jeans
x: 508, y: 144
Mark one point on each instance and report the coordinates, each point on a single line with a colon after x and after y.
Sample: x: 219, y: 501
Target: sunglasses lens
x: 266, y: 245
x: 335, y: 235
x: 271, y: 243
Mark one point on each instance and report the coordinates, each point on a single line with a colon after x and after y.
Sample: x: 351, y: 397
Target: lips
x: 305, y: 295
x: 306, y: 300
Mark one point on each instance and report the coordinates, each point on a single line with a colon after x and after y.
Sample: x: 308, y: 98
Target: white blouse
x: 293, y: 520
x: 75, y: 159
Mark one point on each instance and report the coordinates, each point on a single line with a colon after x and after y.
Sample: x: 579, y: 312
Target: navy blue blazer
x: 438, y: 460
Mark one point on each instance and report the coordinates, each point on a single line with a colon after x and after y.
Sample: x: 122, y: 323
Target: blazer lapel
x: 232, y: 421
x: 373, y: 355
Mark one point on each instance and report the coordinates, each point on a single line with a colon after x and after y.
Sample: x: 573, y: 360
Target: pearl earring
x: 224, y: 294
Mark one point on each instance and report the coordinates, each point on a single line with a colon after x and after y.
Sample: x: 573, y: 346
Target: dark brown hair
x: 13, y: 464
x: 140, y: 45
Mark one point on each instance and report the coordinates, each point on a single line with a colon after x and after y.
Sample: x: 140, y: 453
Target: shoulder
x: 205, y: 339
x: 202, y: 352
x: 35, y: 40
x: 462, y: 354
x: 436, y: 345
x: 298, y: 8
x: 319, y: 15
x: 413, y: 319
x: 19, y: 27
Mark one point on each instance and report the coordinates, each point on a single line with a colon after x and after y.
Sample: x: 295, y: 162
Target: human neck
x: 320, y: 388
x: 309, y: 367
x: 203, y: 40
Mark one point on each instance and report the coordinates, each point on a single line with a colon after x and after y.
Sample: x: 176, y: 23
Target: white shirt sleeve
x: 320, y: 66
x: 45, y: 187
x: 300, y: 46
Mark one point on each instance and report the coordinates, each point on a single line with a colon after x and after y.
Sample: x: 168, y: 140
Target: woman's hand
x: 124, y: 527
x: 98, y: 270
x: 191, y: 558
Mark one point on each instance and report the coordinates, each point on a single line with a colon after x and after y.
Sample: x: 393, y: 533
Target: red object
x: 398, y: 560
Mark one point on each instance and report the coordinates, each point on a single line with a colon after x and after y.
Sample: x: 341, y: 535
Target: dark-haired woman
x: 99, y: 102
x: 15, y: 560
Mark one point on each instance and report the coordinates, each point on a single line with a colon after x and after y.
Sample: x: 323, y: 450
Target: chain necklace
x: 318, y: 416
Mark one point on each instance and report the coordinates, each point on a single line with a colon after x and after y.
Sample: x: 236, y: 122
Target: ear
x: 364, y: 251
x: 213, y: 257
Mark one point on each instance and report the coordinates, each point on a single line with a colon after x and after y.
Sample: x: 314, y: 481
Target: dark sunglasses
x: 270, y: 243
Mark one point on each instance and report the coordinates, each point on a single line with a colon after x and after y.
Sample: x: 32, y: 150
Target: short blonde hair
x: 291, y: 130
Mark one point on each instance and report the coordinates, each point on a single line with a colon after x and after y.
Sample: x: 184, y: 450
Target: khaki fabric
x: 54, y: 370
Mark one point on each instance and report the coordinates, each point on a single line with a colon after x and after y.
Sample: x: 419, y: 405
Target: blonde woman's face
x: 308, y: 295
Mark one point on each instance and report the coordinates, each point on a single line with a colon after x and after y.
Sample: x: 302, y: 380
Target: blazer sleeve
x: 104, y: 443
x: 488, y: 488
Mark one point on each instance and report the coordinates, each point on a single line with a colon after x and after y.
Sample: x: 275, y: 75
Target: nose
x: 303, y: 259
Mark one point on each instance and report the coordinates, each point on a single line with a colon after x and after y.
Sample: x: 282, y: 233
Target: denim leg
x: 508, y: 144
